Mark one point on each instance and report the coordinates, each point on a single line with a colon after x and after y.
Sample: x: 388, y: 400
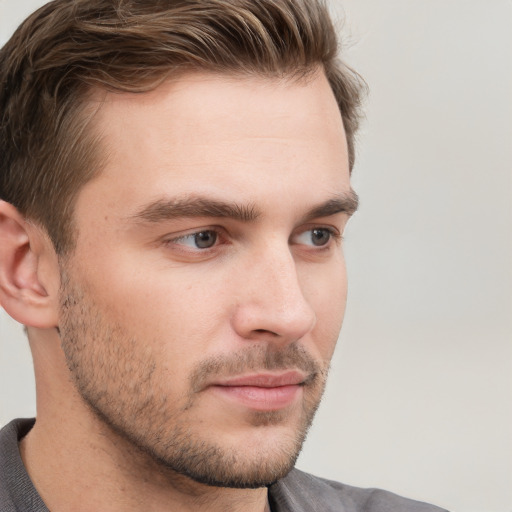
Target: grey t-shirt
x: 297, y: 492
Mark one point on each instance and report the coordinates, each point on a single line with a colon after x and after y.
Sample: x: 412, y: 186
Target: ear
x: 29, y: 271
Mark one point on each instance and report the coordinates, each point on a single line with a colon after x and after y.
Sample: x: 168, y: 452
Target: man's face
x: 202, y: 304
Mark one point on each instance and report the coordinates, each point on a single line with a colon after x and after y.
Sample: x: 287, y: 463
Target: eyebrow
x: 345, y: 203
x: 167, y: 209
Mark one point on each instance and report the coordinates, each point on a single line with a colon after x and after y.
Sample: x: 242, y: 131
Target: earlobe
x: 24, y: 280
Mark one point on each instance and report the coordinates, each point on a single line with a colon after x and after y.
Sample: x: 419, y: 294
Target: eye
x: 200, y: 240
x: 317, y: 237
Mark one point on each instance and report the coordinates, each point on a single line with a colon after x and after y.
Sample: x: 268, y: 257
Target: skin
x: 154, y: 330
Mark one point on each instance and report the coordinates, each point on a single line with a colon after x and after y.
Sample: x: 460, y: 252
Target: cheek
x: 326, y: 293
x: 174, y: 312
x: 330, y: 321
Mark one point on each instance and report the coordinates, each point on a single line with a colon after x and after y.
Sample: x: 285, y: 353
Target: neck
x: 73, y: 470
x: 76, y: 462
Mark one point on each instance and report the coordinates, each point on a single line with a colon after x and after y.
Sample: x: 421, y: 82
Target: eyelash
x: 334, y: 237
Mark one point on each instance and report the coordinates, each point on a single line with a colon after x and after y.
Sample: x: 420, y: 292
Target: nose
x: 272, y: 305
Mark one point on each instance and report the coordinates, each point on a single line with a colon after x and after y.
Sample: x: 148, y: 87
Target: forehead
x: 205, y: 131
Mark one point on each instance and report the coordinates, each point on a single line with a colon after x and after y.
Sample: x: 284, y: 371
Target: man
x: 175, y: 185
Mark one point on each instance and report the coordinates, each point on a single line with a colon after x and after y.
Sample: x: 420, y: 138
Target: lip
x: 265, y: 380
x: 263, y: 391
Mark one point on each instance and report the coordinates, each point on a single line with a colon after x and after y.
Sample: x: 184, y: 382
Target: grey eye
x: 316, y: 237
x: 205, y: 239
x: 320, y: 236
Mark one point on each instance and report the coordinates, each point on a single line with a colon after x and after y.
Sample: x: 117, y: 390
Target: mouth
x: 262, y: 391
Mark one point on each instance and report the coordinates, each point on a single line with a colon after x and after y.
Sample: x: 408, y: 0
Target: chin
x: 235, y: 470
x: 256, y: 456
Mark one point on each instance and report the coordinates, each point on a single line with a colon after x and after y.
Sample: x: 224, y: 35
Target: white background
x: 420, y: 395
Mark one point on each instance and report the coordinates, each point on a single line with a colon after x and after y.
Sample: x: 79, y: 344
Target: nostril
x: 265, y: 331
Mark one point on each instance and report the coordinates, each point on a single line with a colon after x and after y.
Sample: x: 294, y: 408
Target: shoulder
x: 298, y: 491
x: 16, y: 489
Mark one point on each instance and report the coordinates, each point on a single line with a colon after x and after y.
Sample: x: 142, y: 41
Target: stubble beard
x: 123, y: 386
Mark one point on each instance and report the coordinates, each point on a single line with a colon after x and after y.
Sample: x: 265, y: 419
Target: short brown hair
x: 70, y: 47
